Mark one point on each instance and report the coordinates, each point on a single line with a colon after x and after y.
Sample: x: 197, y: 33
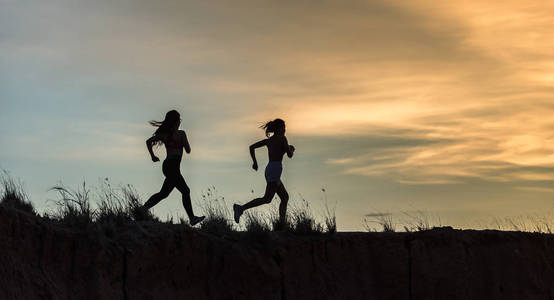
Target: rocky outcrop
x: 39, y: 260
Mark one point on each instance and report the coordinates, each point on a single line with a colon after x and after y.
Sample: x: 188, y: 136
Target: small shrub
x: 218, y: 216
x: 254, y: 223
x: 272, y: 217
x: 302, y: 220
x: 73, y: 206
x: 114, y: 206
x: 276, y: 225
x: 421, y: 221
x: 217, y: 225
x: 382, y: 219
x: 121, y: 205
x: 133, y: 205
x: 13, y: 194
x: 111, y: 208
x: 539, y: 223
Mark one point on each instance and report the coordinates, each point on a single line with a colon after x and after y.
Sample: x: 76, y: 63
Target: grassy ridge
x: 107, y: 207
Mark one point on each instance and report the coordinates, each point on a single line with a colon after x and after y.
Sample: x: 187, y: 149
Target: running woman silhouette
x: 175, y: 140
x: 277, y: 146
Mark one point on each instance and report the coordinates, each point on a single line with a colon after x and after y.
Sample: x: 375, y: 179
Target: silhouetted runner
x: 277, y: 146
x: 175, y: 140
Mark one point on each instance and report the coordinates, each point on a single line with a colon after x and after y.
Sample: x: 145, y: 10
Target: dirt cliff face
x: 39, y: 260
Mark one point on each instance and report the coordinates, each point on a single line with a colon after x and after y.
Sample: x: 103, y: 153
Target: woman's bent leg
x: 270, y: 190
x: 167, y: 187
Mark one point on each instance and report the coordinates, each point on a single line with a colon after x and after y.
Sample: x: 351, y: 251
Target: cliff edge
x: 42, y: 260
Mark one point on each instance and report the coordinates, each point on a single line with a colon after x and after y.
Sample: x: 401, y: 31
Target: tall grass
x: 217, y: 212
x: 419, y: 220
x: 384, y: 220
x: 256, y: 222
x: 540, y: 223
x: 73, y: 206
x: 301, y: 219
x: 13, y: 195
x: 416, y: 220
x: 134, y: 205
x: 329, y: 217
x: 114, y: 205
x: 109, y: 206
x: 120, y: 205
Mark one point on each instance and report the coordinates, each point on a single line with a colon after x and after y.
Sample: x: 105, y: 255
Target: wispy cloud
x: 535, y: 189
x: 463, y: 87
x: 377, y: 214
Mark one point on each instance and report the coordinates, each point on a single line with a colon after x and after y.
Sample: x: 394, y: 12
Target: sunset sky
x: 393, y: 106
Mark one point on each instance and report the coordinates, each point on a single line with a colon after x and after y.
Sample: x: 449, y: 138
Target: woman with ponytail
x: 277, y: 146
x: 175, y: 140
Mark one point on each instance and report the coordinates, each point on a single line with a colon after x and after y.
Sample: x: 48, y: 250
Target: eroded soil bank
x: 40, y: 260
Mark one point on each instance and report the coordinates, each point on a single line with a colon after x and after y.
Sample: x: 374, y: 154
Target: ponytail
x: 272, y: 126
x: 268, y: 127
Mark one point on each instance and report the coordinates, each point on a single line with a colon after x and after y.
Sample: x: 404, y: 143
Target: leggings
x: 173, y: 179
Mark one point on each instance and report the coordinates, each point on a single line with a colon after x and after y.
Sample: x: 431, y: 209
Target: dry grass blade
x: 330, y: 219
x: 218, y: 216
x: 74, y: 206
x: 384, y: 220
x: 301, y: 220
x: 14, y: 195
x: 256, y: 223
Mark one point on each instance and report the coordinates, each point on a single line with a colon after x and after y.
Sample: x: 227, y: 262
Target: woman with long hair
x: 277, y: 145
x: 175, y: 140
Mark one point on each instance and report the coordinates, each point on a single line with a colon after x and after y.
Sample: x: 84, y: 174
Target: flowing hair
x: 165, y: 127
x: 272, y: 126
